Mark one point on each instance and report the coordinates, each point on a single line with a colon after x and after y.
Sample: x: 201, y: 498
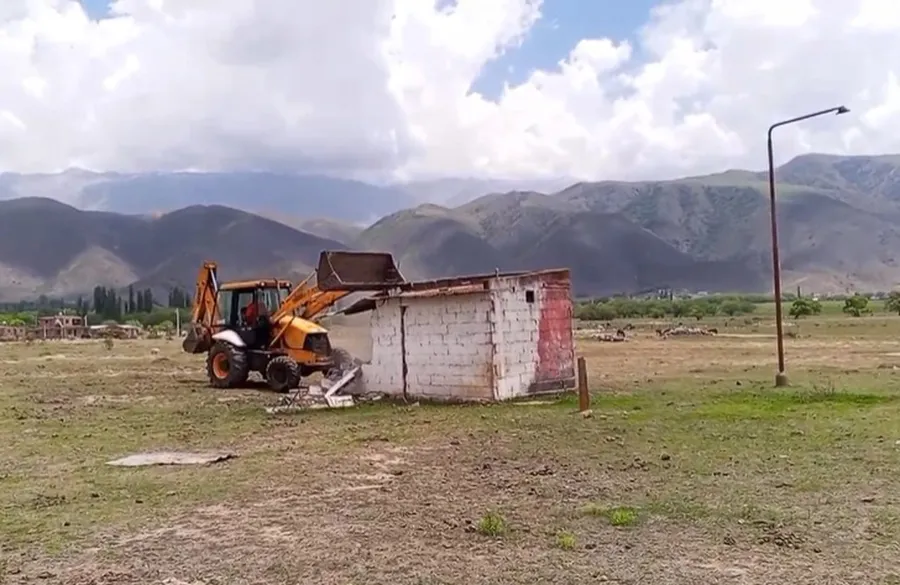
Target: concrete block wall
x: 448, y: 348
x: 384, y: 372
x: 513, y: 340
x: 515, y: 326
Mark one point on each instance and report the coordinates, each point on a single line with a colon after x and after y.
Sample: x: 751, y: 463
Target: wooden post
x: 584, y: 397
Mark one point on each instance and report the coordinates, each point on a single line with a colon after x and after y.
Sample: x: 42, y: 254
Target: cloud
x: 381, y: 88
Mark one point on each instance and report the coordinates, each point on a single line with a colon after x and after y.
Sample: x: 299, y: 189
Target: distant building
x: 115, y: 330
x: 659, y: 293
x: 13, y: 332
x: 61, y: 327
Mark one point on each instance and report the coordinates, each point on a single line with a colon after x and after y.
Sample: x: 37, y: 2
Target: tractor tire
x: 282, y: 374
x: 227, y: 366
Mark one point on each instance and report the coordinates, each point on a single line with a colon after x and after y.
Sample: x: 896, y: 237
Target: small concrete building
x: 61, y: 327
x: 479, y: 338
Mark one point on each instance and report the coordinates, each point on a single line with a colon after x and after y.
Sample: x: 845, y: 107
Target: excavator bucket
x: 357, y: 271
x: 197, y: 339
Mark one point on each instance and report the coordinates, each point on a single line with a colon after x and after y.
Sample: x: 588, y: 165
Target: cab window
x: 224, y: 306
x: 270, y: 299
x: 244, y: 298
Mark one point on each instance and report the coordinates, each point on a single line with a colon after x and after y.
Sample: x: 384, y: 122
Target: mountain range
x: 264, y: 193
x: 61, y: 234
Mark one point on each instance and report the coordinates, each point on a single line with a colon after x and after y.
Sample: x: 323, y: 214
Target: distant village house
x: 61, y: 327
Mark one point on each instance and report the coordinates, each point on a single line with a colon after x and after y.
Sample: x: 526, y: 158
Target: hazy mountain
x: 838, y: 218
x: 838, y: 229
x: 453, y: 192
x: 606, y: 252
x: 301, y: 196
x: 47, y: 247
x: 269, y: 194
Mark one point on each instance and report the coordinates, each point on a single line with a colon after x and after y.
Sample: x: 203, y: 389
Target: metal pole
x: 781, y: 378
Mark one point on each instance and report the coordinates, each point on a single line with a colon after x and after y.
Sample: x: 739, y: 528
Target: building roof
x: 255, y: 283
x: 460, y: 285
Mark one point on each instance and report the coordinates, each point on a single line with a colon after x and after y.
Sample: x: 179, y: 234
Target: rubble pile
x: 682, y: 330
x: 335, y: 390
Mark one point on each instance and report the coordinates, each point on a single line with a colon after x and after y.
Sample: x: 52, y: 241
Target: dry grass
x: 692, y: 469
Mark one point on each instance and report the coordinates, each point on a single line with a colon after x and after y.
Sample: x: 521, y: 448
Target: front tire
x: 282, y: 374
x: 227, y: 366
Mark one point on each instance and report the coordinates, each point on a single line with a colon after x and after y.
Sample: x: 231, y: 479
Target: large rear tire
x: 227, y: 366
x: 282, y: 374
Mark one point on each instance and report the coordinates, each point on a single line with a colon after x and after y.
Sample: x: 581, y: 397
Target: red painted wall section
x: 556, y: 344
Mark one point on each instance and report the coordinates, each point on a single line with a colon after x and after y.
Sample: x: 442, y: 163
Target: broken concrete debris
x: 326, y: 395
x: 170, y: 458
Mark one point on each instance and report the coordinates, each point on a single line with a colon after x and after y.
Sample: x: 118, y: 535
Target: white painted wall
x: 516, y: 335
x: 479, y: 346
x: 384, y: 372
x: 448, y: 348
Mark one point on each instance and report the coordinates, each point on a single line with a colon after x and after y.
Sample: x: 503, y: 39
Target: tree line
x: 628, y: 308
x: 796, y: 306
x: 109, y: 304
x: 855, y: 305
x: 104, y: 304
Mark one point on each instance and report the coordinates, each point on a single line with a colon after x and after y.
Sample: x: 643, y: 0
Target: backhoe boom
x: 204, y: 313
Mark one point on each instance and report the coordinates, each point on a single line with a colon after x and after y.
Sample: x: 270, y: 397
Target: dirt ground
x: 692, y: 469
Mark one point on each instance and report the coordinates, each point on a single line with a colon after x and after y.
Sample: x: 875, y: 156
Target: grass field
x: 692, y: 469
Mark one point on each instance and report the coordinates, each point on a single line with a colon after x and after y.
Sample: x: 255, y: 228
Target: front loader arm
x: 339, y: 274
x: 319, y: 301
x: 306, y: 301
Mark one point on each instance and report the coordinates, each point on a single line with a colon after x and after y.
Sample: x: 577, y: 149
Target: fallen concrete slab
x: 170, y: 458
x: 326, y: 395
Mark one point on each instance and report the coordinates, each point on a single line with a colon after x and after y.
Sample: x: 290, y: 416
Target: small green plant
x: 622, y: 516
x: 805, y: 307
x: 108, y: 343
x: 491, y: 524
x: 892, y: 304
x: 617, y: 516
x: 857, y: 305
x: 565, y: 540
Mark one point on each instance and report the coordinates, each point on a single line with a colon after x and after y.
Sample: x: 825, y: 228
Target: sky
x: 420, y: 89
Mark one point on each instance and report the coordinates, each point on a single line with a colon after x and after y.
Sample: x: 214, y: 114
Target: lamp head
x: 841, y: 110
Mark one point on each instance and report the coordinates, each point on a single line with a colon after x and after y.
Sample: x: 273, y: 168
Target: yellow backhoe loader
x: 268, y: 325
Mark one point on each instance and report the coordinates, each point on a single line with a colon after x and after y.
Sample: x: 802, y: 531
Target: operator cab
x: 235, y: 300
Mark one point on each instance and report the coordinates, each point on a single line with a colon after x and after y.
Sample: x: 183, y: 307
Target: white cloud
x: 380, y: 87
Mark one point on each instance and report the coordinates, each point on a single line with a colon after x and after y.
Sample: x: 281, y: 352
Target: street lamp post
x: 781, y: 378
